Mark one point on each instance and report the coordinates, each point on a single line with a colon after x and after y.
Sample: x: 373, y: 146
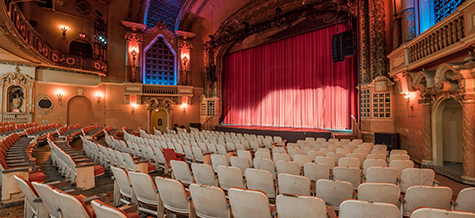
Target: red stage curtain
x: 290, y: 83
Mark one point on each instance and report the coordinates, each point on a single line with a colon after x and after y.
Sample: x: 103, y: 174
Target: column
x: 134, y: 38
x: 408, y: 30
x: 427, y: 111
x: 468, y: 134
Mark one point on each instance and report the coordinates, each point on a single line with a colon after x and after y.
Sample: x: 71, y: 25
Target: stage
x: 287, y: 133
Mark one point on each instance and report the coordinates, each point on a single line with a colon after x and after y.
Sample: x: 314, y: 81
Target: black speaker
x: 196, y: 125
x: 389, y: 139
x: 336, y: 48
x: 348, y: 43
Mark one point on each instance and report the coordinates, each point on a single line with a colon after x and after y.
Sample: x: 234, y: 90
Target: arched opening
x: 448, y: 133
x: 15, y: 99
x: 160, y: 119
x: 81, y: 48
x: 80, y: 111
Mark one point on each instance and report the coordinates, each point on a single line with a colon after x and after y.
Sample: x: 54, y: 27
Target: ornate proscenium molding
x: 133, y: 31
x: 154, y: 103
x: 16, y: 77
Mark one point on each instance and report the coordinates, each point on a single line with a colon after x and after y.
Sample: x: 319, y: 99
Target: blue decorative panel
x: 159, y: 65
x: 166, y: 10
x: 443, y: 8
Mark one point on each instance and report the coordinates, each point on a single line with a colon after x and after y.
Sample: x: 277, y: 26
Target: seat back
x: 123, y: 181
x: 249, y: 203
x: 300, y: 206
x: 49, y: 198
x: 330, y: 161
x: 399, y: 157
x: 265, y: 164
x: 349, y: 162
x: 230, y: 177
x: 240, y: 162
x: 379, y: 192
x: 373, y: 163
x: 181, y: 171
x: 262, y: 154
x: 144, y: 187
x: 30, y: 194
x: 72, y: 206
x: 356, y: 208
x: 281, y: 156
x: 316, y: 171
x: 103, y: 210
x: 204, y: 174
x: 289, y: 167
x: 293, y: 184
x: 376, y: 156
x: 334, y: 192
x: 209, y: 201
x: 466, y: 200
x: 397, y: 151
x: 416, y: 176
x: 381, y: 174
x: 425, y: 212
x: 198, y: 154
x: 349, y: 174
x: 360, y: 157
x: 218, y: 160
x: 427, y: 196
x: 400, y: 165
x: 173, y: 195
x: 261, y: 180
x: 129, y: 162
x: 245, y: 154
x: 301, y: 159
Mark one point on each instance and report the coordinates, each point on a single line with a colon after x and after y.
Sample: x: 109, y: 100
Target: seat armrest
x: 101, y: 197
x: 75, y: 191
x: 19, y: 169
x: 130, y: 208
x: 141, y: 161
x: 60, y: 183
x: 86, y: 165
x: 436, y: 183
x: 331, y: 212
x: 16, y: 165
x: 137, y: 158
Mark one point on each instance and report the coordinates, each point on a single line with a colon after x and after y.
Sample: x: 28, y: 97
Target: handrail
x: 356, y: 131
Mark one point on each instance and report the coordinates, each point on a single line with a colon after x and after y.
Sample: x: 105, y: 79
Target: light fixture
x: 133, y: 51
x: 407, y: 98
x: 59, y: 94
x: 133, y: 107
x: 64, y: 29
x: 99, y: 96
x: 184, y: 59
x: 184, y: 106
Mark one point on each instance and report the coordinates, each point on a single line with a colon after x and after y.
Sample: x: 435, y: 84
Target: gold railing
x: 159, y: 89
x: 15, y: 117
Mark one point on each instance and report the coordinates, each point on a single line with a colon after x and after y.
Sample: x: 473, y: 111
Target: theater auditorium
x: 237, y: 108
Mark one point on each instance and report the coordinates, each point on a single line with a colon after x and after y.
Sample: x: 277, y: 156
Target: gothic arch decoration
x: 23, y: 82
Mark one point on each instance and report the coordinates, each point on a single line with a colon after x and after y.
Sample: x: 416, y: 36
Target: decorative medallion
x: 83, y: 7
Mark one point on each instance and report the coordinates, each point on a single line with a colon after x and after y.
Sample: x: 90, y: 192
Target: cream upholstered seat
x: 381, y: 174
x: 379, y: 192
x: 204, y: 174
x: 198, y: 154
x: 373, y: 163
x: 262, y: 154
x: 360, y: 157
x: 140, y: 166
x: 209, y: 201
x: 367, y: 209
x: 376, y: 156
x: 249, y: 203
x: 261, y: 180
x: 188, y: 154
x: 265, y: 164
x: 49, y: 198
x: 399, y: 157
x: 240, y: 162
x: 31, y: 208
x: 122, y: 187
x: 334, y: 192
x: 466, y: 200
x: 103, y: 210
x: 293, y: 184
x: 281, y: 156
x: 316, y: 171
x: 181, y: 172
x: 146, y: 191
x: 397, y: 151
x: 71, y: 206
x: 301, y: 159
x: 289, y: 167
x: 245, y: 154
x: 349, y: 174
x: 218, y: 160
x: 293, y: 206
x: 173, y: 196
x: 230, y: 177
x: 426, y: 196
x: 330, y: 161
x: 400, y: 165
x: 160, y: 161
x: 425, y: 212
x: 349, y: 162
x: 416, y: 176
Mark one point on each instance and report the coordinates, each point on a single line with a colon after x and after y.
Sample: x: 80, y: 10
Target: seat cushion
x: 151, y: 167
x: 37, y: 177
x: 98, y: 170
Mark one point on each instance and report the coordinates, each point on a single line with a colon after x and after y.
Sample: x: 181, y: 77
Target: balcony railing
x: 158, y: 89
x: 38, y: 45
x: 15, y: 117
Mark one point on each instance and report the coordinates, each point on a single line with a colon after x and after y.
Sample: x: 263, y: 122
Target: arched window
x: 159, y: 64
x: 81, y: 48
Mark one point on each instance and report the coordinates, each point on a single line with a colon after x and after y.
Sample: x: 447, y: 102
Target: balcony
x: 157, y: 90
x: 20, y: 28
x: 453, y: 34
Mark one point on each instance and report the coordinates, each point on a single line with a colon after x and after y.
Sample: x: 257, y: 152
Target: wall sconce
x: 134, y: 52
x: 64, y: 29
x: 133, y: 107
x: 184, y: 59
x: 99, y: 96
x: 59, y: 94
x: 407, y: 98
x: 184, y: 106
